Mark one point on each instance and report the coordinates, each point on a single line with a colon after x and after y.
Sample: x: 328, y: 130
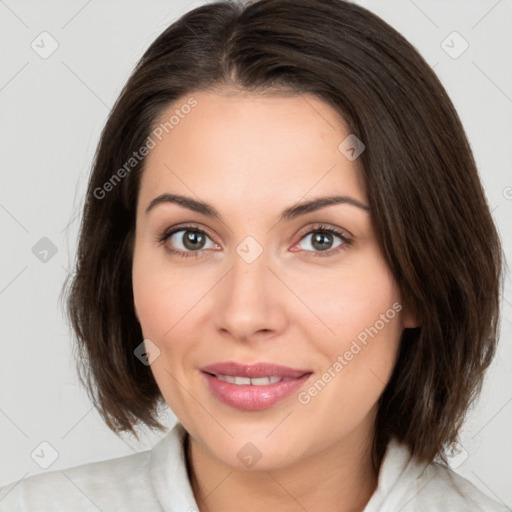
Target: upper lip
x: 253, y: 370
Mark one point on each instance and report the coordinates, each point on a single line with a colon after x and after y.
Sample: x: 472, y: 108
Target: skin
x: 251, y: 157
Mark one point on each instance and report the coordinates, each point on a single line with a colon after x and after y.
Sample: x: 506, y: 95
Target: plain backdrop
x: 53, y: 108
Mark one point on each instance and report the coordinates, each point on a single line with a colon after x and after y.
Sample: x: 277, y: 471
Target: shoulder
x: 408, y: 485
x: 116, y: 484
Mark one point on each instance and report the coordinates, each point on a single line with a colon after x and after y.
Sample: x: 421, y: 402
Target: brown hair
x: 429, y: 209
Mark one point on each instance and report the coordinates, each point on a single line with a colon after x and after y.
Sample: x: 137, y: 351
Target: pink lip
x: 251, y: 397
x: 253, y: 370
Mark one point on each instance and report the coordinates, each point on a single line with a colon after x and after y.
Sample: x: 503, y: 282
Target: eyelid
x: 166, y: 233
x: 323, y: 226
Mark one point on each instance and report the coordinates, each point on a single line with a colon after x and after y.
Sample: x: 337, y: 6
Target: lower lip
x: 253, y: 397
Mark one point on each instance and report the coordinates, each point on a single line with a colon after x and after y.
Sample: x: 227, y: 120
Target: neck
x: 340, y: 479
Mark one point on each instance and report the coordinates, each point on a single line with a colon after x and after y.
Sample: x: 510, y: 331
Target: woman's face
x: 251, y: 285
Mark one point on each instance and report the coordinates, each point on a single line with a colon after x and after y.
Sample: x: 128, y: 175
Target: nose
x: 250, y: 301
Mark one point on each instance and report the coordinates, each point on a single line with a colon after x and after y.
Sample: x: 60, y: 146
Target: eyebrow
x: 288, y: 214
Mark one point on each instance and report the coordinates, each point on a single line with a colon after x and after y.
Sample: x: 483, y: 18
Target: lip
x: 250, y: 397
x: 253, y: 371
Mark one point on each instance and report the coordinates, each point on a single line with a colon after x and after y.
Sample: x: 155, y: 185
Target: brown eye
x: 323, y: 239
x: 187, y: 241
x: 191, y: 240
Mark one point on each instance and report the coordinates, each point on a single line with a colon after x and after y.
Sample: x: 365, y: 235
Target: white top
x: 156, y: 481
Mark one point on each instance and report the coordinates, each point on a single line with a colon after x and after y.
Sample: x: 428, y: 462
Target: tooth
x: 245, y: 381
x: 241, y: 381
x: 227, y: 378
x: 260, y: 381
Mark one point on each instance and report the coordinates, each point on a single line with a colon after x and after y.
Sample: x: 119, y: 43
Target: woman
x: 286, y: 242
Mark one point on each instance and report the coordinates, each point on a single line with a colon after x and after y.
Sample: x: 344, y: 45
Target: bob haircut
x: 428, y: 206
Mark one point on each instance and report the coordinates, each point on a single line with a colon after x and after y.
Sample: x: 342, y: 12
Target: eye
x: 321, y: 240
x: 189, y: 241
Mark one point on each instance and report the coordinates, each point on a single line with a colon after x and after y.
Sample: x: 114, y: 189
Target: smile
x: 252, y: 387
x: 245, y: 381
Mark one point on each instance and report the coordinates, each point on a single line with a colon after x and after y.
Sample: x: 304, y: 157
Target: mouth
x: 253, y: 387
x: 253, y: 371
x: 246, y: 381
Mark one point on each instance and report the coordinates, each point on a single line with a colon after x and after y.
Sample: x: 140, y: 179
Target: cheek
x: 358, y: 300
x: 169, y: 306
x: 362, y: 307
x: 161, y: 296
x: 156, y: 306
x: 368, y: 339
x: 162, y: 301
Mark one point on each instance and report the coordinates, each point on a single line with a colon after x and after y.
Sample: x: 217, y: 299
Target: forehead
x: 250, y: 147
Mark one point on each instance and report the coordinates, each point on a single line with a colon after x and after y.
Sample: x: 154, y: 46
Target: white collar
x: 397, y: 467
x: 168, y: 472
x: 403, y: 482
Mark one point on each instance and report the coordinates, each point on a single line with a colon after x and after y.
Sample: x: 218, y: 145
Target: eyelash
x: 347, y: 242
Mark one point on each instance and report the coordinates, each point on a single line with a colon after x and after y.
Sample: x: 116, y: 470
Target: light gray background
x: 53, y: 110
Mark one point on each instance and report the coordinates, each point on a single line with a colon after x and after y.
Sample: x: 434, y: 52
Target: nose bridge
x: 249, y: 270
x: 250, y: 301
